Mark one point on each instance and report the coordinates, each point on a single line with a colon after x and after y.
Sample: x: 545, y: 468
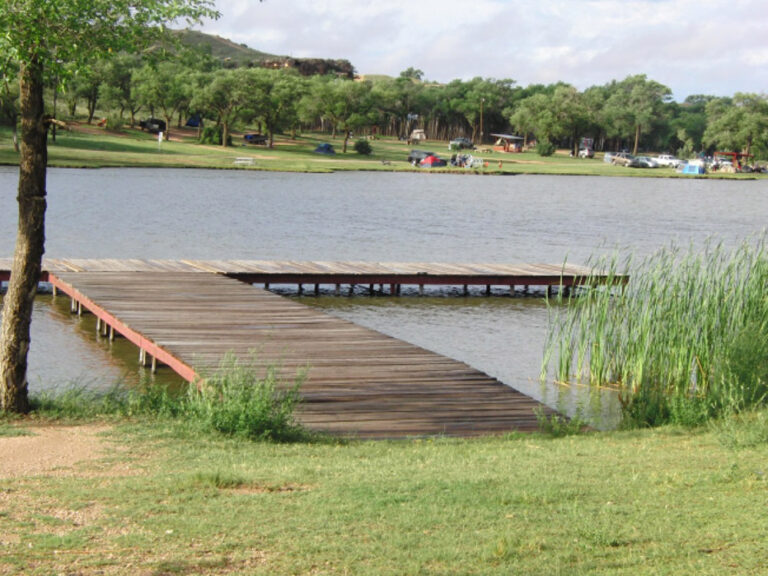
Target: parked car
x: 255, y: 139
x: 622, y: 159
x: 608, y: 157
x: 417, y: 156
x: 432, y: 161
x: 153, y: 125
x: 460, y: 144
x: 586, y: 153
x: 668, y: 160
x: 644, y: 162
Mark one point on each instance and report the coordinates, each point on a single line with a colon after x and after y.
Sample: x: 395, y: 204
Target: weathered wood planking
x: 360, y: 382
x: 322, y: 272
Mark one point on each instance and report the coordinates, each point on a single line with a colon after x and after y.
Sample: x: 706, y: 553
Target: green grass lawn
x: 132, y: 148
x: 166, y: 501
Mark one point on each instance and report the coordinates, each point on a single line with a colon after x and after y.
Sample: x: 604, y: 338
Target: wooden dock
x: 360, y: 382
x: 392, y: 275
x: 187, y: 314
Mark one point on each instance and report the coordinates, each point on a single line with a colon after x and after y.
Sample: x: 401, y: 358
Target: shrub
x: 363, y: 147
x: 213, y: 135
x: 234, y: 400
x: 545, y: 148
x: 237, y: 402
x: 115, y: 123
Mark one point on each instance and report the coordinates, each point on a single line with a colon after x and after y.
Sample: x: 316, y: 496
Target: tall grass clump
x: 236, y: 401
x: 684, y: 342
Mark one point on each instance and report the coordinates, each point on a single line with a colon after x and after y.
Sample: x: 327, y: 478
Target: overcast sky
x: 691, y: 46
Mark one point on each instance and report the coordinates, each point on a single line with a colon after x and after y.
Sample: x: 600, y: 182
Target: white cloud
x: 692, y: 46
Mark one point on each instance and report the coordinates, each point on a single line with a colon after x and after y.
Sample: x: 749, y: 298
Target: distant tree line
x: 635, y: 113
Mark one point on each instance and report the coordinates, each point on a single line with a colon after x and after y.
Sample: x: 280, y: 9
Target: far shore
x: 88, y: 146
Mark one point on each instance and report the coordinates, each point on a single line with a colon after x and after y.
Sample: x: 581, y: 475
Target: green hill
x: 236, y: 55
x: 225, y: 50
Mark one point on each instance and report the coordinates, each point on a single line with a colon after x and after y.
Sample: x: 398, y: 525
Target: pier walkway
x: 188, y: 314
x: 360, y: 382
x: 392, y: 275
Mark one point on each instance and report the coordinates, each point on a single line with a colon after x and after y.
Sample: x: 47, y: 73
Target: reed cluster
x: 684, y: 342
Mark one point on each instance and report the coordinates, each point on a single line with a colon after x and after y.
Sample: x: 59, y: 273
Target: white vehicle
x: 668, y: 160
x: 644, y: 162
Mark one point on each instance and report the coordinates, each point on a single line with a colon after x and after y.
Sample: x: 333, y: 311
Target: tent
x: 692, y: 168
x: 325, y: 148
x: 432, y: 162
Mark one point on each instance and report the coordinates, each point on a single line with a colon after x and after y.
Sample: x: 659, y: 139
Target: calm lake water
x: 140, y: 213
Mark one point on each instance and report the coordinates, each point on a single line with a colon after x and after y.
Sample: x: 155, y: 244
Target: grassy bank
x: 164, y: 500
x: 90, y: 147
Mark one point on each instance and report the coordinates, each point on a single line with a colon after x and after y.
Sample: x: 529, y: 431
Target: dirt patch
x: 53, y: 450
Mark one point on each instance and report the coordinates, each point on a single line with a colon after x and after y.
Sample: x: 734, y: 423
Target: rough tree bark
x: 30, y: 242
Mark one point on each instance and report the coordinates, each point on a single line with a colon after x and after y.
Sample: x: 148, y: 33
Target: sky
x: 691, y: 46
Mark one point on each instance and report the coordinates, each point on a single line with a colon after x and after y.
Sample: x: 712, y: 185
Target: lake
x: 203, y: 214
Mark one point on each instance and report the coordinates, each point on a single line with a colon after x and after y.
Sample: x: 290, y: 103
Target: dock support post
x: 111, y: 333
x: 511, y: 289
x: 317, y: 289
x: 550, y: 289
x: 392, y: 289
x: 266, y: 285
x: 487, y: 289
x: 154, y: 364
x: 55, y: 291
x: 421, y: 289
x: 79, y: 309
x: 142, y: 357
x: 351, y: 289
x: 466, y: 290
x: 301, y: 289
x: 98, y: 327
x: 338, y: 289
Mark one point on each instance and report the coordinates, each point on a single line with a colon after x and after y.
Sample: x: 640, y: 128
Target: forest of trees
x: 636, y: 113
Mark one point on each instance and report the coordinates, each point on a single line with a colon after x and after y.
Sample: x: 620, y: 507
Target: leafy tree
x: 118, y: 87
x: 275, y: 95
x: 737, y: 124
x: 635, y: 105
x: 39, y: 35
x: 225, y: 94
x: 346, y: 104
x: 9, y: 99
x: 166, y: 86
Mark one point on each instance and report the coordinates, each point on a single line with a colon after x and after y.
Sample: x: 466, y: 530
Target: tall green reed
x: 685, y: 341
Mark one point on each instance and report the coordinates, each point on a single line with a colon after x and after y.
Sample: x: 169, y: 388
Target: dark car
x: 153, y: 125
x: 417, y: 156
x: 460, y: 144
x: 255, y: 139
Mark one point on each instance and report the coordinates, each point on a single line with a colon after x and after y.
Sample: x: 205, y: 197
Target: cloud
x: 692, y: 46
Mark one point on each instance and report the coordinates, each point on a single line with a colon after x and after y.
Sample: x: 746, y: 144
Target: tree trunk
x: 224, y: 133
x: 637, y: 139
x: 30, y: 243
